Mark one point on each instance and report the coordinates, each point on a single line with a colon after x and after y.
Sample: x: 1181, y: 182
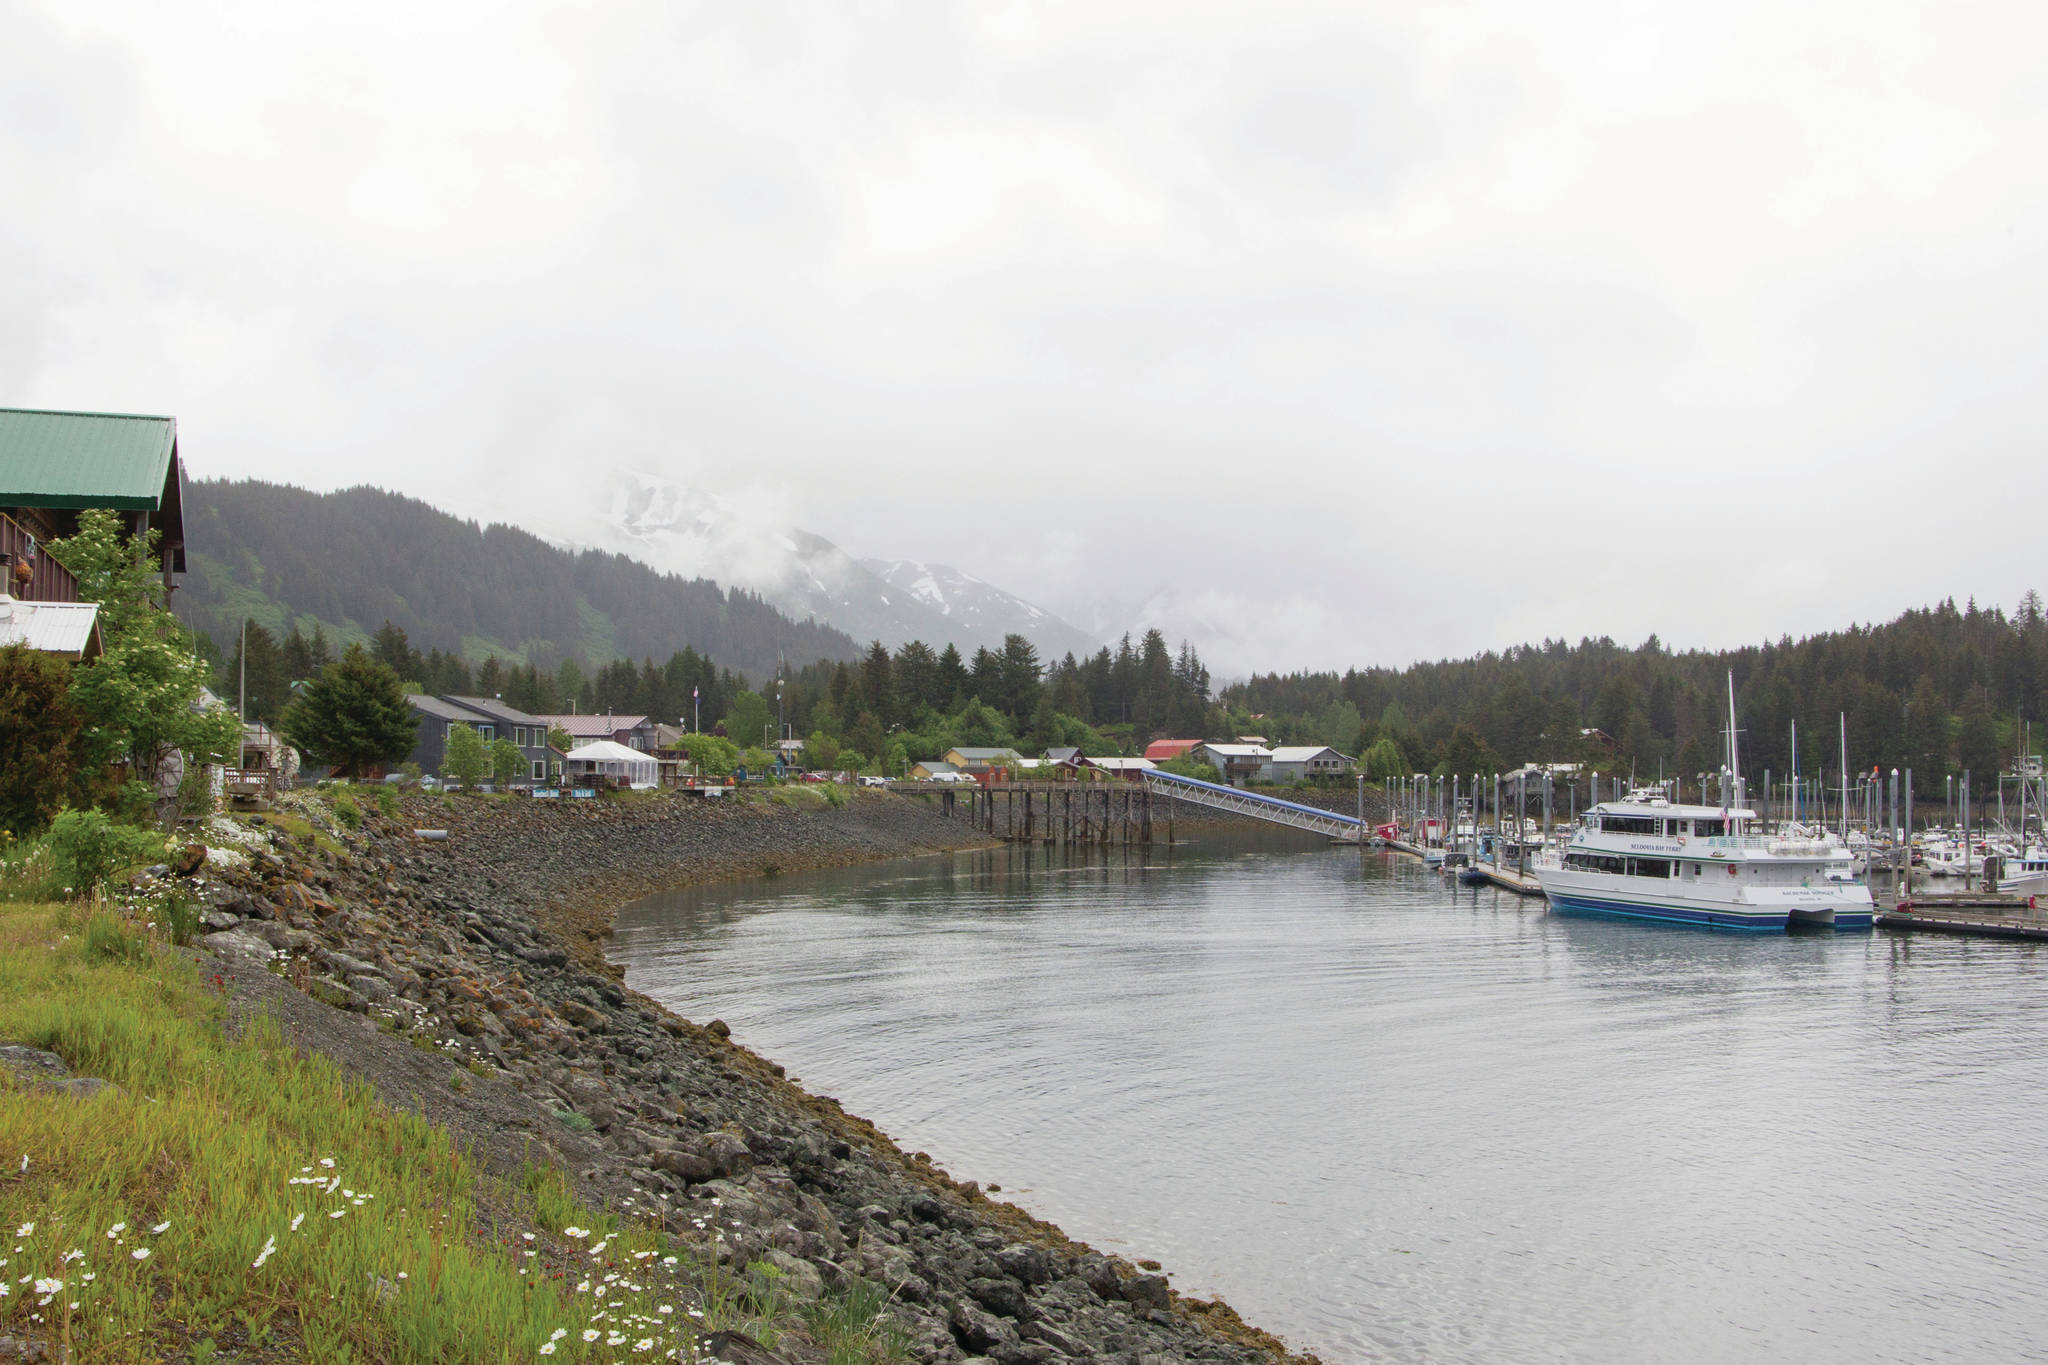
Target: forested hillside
x: 348, y: 562
x: 1940, y: 689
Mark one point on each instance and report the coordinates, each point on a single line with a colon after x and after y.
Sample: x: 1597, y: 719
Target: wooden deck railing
x: 46, y: 581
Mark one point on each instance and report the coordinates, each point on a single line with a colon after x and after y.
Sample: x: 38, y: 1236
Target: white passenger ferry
x: 1646, y: 858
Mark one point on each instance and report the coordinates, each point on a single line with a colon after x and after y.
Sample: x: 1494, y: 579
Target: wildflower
x: 616, y: 1339
x: 527, y: 1235
x: 160, y: 1228
x: 590, y: 1334
x: 116, y: 1231
x: 666, y: 1309
x: 337, y: 1213
x: 296, y: 1220
x: 598, y: 1250
x: 578, y: 1233
x: 644, y: 1344
x: 328, y: 1162
x: 88, y: 1277
x: 668, y: 1260
x: 558, y: 1334
x: 140, y: 1253
x: 269, y: 1246
x: 25, y: 1230
x: 547, y: 1348
x: 49, y: 1286
x: 72, y: 1255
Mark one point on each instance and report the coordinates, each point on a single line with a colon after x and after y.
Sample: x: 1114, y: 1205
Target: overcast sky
x: 1369, y: 332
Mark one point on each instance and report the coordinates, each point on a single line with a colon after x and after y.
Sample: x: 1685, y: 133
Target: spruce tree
x: 354, y: 715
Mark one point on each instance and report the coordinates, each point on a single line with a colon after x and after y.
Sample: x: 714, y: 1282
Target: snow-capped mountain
x: 981, y: 611
x: 745, y: 542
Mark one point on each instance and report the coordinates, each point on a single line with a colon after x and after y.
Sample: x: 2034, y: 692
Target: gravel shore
x: 405, y: 957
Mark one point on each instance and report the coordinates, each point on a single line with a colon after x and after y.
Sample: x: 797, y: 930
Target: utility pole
x: 242, y: 700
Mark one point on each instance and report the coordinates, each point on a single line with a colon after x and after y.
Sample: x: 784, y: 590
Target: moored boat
x: 1647, y: 858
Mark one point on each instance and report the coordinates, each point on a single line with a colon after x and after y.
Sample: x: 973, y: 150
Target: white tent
x: 604, y: 760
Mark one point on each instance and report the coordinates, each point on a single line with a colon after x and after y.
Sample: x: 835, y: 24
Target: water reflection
x: 1387, y: 1115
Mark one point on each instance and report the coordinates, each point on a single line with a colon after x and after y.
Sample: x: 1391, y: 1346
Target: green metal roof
x: 84, y: 459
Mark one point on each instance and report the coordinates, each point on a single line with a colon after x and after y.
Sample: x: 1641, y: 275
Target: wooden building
x: 54, y: 465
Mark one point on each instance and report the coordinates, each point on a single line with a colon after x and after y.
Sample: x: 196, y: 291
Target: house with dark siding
x: 489, y: 717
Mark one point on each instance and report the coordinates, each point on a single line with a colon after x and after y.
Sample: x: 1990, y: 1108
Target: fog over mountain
x: 746, y: 541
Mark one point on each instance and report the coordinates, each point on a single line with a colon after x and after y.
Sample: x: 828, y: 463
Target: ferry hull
x: 1740, y: 919
x: 1843, y: 918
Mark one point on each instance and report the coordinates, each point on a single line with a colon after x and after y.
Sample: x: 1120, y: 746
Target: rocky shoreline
x: 410, y: 959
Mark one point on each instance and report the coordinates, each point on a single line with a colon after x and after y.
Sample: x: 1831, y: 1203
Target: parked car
x: 874, y: 781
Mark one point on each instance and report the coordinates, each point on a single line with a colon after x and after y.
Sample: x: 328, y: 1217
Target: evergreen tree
x: 390, y: 648
x: 1017, y: 681
x: 1977, y: 749
x: 878, y: 685
x: 916, y: 673
x: 952, y: 682
x: 40, y: 748
x: 269, y: 677
x: 354, y: 715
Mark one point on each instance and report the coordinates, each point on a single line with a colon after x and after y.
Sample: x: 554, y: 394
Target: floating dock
x: 1990, y: 916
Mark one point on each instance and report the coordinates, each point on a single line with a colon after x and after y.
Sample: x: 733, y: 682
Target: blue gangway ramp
x: 1217, y: 796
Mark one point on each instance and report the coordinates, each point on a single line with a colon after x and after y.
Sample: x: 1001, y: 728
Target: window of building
x: 540, y: 770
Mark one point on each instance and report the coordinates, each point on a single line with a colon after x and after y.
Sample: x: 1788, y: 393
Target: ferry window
x: 1709, y: 829
x: 1631, y: 824
x: 1649, y: 867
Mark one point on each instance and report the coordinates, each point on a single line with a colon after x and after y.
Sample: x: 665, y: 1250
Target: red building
x: 1166, y: 750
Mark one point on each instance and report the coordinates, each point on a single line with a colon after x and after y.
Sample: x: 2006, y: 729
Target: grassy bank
x: 230, y: 1198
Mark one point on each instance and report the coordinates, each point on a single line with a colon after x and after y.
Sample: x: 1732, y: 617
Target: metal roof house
x: 635, y: 732
x: 70, y: 630
x: 1238, y: 763
x: 492, y: 720
x: 1293, y: 762
x: 54, y: 465
x: 1166, y: 750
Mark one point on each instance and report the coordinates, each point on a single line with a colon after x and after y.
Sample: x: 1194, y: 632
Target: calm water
x: 1391, y: 1119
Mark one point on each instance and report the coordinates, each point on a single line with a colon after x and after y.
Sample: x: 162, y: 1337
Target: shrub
x: 347, y: 812
x: 180, y: 917
x: 40, y: 750
x: 90, y: 848
x: 387, y: 803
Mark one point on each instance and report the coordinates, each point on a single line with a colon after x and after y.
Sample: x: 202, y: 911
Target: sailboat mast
x: 1845, y: 775
x: 1734, y: 748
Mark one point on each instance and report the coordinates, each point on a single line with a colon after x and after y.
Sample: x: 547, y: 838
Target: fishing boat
x: 2025, y: 875
x: 1646, y: 857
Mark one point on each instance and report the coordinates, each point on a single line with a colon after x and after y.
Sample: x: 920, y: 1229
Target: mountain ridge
x: 351, y: 559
